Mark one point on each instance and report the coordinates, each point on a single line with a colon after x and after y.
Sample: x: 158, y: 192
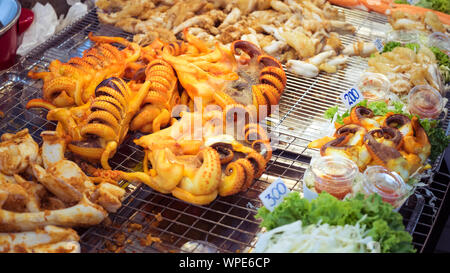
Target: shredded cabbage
x: 319, y: 238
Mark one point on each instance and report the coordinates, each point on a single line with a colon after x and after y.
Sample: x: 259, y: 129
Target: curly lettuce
x: 377, y: 217
x: 389, y: 46
x: 443, y: 62
x: 379, y: 108
x: 436, y: 136
x: 439, y: 5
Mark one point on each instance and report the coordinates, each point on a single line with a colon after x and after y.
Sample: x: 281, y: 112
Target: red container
x: 14, y: 21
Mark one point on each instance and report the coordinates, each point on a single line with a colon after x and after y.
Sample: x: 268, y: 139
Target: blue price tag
x: 351, y: 97
x: 378, y: 44
x: 274, y: 194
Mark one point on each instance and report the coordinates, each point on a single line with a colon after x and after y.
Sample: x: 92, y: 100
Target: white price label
x: 378, y: 44
x: 274, y: 194
x: 351, y: 97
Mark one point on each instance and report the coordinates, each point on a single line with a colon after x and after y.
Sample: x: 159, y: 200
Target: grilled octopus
x: 198, y: 163
x: 74, y: 83
x: 393, y: 141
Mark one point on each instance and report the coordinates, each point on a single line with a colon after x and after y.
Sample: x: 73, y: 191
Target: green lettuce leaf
x: 389, y: 46
x: 439, y: 5
x: 436, y: 136
x: 378, y: 217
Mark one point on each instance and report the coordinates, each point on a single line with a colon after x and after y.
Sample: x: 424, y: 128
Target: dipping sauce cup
x: 334, y: 174
x: 425, y: 101
x: 389, y: 185
x: 374, y: 86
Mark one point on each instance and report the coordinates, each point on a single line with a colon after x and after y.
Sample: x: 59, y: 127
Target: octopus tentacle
x: 223, y: 99
x: 40, y: 103
x: 263, y: 147
x: 254, y: 131
x: 109, y: 151
x: 249, y: 173
x: 273, y: 80
x: 207, y: 177
x: 100, y: 130
x: 144, y: 117
x: 225, y: 151
x: 55, y: 86
x: 105, y: 105
x: 232, y: 179
x: 251, y: 49
x: 269, y: 61
x: 258, y: 162
x: 203, y: 199
x: 104, y: 118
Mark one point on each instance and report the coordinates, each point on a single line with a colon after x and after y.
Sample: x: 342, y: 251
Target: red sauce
x: 337, y: 189
x: 388, y: 195
x: 334, y: 175
x: 426, y: 103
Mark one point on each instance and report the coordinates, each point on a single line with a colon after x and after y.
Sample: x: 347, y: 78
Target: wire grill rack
x: 152, y: 222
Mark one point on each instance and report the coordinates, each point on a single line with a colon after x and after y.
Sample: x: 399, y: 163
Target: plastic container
x: 440, y: 40
x: 334, y: 174
x: 374, y: 86
x: 425, y: 101
x: 389, y: 185
x: 403, y: 36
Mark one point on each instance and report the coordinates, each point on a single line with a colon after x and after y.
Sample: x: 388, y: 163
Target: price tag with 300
x: 351, y: 97
x: 274, y: 194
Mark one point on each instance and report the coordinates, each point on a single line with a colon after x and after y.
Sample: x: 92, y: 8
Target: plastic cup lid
x: 403, y: 36
x: 382, y: 181
x: 440, y: 40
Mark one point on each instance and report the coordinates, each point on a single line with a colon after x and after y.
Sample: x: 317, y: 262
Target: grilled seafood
x: 405, y: 69
x: 394, y: 141
x: 50, y: 239
x: 162, y: 96
x: 427, y: 22
x: 63, y: 196
x: 390, y: 8
x: 96, y: 128
x: 197, y: 163
x: 17, y: 152
x: 74, y: 82
x: 289, y: 30
x: 217, y: 77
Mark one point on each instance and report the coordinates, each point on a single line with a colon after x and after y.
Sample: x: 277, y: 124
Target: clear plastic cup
x: 374, y: 86
x: 334, y: 175
x: 440, y: 40
x: 389, y: 185
x: 425, y: 101
x: 403, y: 36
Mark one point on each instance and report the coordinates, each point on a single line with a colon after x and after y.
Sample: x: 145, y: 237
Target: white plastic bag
x: 44, y: 25
x: 76, y: 11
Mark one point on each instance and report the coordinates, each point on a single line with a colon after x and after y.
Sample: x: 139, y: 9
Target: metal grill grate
x: 227, y: 223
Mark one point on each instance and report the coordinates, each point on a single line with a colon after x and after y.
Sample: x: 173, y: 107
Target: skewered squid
x: 162, y: 96
x: 393, y: 141
x: 196, y: 161
x: 95, y: 129
x: 74, y: 82
x: 216, y: 76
